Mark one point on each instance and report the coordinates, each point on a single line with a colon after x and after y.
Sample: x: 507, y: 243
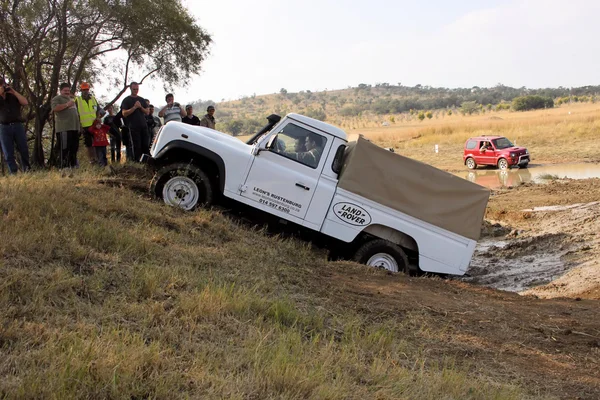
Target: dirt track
x: 542, y: 240
x: 551, y: 346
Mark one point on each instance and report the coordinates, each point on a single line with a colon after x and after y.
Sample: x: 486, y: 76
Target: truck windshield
x: 502, y: 143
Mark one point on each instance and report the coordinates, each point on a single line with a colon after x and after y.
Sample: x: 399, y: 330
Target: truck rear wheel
x: 382, y: 254
x: 182, y: 185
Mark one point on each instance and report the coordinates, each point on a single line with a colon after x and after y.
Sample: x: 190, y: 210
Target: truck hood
x: 195, y: 131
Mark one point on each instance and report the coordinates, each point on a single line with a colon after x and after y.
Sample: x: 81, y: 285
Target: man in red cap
x: 87, y: 107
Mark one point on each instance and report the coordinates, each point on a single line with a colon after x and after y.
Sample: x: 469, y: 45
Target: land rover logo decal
x: 352, y: 214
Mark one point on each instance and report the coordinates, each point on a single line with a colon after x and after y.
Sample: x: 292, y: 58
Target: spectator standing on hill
x: 67, y: 125
x: 135, y: 111
x: 125, y: 136
x: 153, y: 123
x: 99, y: 139
x: 172, y: 111
x: 114, y: 133
x: 12, y: 130
x: 87, y: 106
x: 190, y: 118
x: 209, y: 120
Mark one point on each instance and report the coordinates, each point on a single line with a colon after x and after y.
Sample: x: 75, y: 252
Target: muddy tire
x: 502, y: 164
x: 382, y: 254
x: 182, y: 185
x: 471, y: 164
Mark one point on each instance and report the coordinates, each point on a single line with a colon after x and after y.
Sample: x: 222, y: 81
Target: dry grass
x: 562, y: 134
x: 107, y: 294
x: 551, y: 136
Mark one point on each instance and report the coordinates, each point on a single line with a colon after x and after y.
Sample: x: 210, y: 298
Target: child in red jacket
x: 99, y: 139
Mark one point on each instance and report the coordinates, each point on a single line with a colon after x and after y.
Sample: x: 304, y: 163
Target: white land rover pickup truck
x: 371, y: 205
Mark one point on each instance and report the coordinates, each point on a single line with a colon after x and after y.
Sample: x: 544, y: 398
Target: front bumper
x: 520, y: 160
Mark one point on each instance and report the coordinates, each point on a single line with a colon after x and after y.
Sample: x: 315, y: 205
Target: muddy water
x: 494, y: 265
x: 496, y: 179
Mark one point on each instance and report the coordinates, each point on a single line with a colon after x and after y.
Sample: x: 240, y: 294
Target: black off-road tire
x: 380, y: 246
x: 194, y: 178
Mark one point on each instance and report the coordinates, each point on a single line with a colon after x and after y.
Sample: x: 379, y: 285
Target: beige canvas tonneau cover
x: 414, y: 188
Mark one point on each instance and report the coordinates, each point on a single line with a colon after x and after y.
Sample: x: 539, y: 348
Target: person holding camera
x: 172, y: 111
x: 12, y: 130
x: 66, y: 123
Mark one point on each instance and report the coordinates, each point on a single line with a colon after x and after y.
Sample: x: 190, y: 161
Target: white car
x: 366, y: 203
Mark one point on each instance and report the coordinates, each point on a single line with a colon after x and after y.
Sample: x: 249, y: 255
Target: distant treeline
x: 246, y: 115
x: 399, y: 99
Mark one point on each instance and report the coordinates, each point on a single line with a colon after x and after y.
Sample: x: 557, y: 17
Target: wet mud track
x: 542, y: 239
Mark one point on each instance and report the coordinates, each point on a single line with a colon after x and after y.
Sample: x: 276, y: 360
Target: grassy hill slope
x: 105, y: 293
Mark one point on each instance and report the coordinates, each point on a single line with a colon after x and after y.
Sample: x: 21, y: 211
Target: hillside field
x: 108, y: 293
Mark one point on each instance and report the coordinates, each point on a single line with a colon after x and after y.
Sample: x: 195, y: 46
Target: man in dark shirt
x: 12, y: 130
x: 135, y: 111
x: 115, y: 134
x: 190, y: 118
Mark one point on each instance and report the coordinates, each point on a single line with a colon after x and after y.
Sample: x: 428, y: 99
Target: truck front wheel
x: 382, y: 254
x: 182, y: 185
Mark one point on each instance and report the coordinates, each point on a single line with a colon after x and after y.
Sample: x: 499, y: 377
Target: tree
x: 532, y: 102
x: 44, y: 42
x: 421, y: 116
x: 429, y: 114
x: 469, y: 107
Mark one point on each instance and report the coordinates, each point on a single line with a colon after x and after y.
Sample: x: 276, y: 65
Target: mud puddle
x: 496, y: 265
x: 496, y: 179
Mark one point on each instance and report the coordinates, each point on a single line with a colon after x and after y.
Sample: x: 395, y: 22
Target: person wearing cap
x: 190, y: 118
x: 66, y: 125
x: 12, y: 130
x: 172, y: 111
x: 87, y: 107
x: 209, y: 120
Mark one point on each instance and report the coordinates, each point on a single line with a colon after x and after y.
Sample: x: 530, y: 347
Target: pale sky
x: 261, y: 46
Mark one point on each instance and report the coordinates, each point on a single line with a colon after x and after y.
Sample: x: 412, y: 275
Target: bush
x: 469, y: 107
x: 532, y: 102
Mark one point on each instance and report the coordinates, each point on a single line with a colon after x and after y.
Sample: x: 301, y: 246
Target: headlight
x: 512, y: 155
x: 526, y: 151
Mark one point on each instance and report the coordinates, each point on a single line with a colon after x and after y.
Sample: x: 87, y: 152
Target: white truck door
x: 283, y: 180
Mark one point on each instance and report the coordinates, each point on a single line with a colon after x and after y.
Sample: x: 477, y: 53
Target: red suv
x: 494, y: 150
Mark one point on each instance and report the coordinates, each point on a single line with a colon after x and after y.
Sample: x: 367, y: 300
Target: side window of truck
x: 471, y: 144
x: 299, y: 144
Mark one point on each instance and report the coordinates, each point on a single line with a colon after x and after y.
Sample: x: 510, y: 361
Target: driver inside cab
x: 485, y: 146
x: 311, y: 156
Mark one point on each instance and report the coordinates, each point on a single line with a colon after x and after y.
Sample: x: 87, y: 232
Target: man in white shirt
x: 172, y: 111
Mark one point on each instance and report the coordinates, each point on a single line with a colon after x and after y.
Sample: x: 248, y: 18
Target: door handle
x: 303, y: 186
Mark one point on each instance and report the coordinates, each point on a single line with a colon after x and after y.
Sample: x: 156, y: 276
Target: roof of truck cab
x: 322, y: 126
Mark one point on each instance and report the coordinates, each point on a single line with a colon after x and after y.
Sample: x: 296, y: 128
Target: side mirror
x: 271, y: 142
